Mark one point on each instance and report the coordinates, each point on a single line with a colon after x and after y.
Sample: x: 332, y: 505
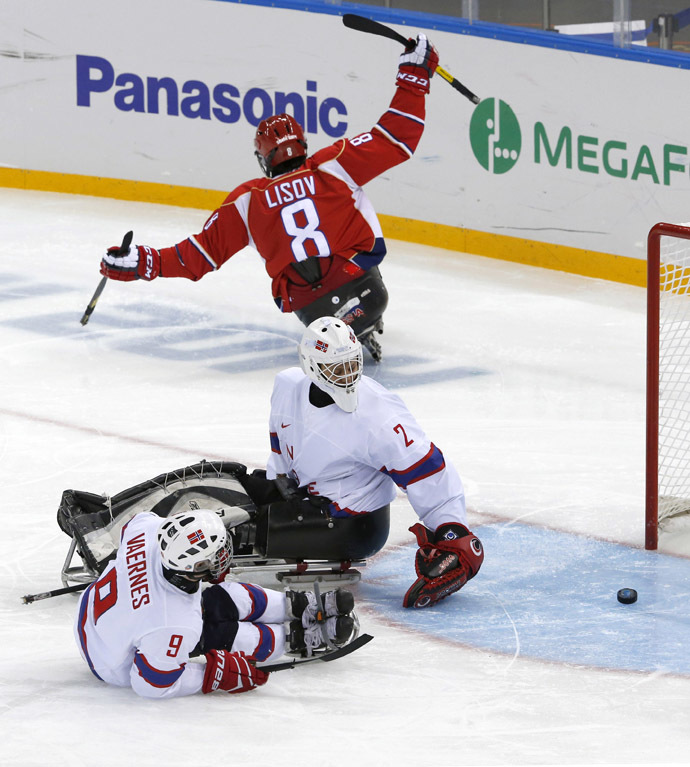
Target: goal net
x: 668, y: 377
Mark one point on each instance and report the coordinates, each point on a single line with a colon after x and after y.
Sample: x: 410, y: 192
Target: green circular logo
x: 495, y: 135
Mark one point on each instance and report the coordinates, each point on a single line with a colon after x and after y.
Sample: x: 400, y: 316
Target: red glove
x: 417, y: 65
x: 231, y: 671
x: 139, y: 262
x: 445, y: 561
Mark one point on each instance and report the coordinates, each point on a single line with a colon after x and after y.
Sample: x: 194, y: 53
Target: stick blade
x: 363, y: 24
x: 355, y: 644
x: 353, y: 21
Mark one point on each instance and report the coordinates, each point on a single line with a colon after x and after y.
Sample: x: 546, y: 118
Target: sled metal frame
x: 71, y: 575
x: 286, y: 573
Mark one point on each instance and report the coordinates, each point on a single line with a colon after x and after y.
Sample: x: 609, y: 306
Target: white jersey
x: 357, y: 459
x: 136, y: 629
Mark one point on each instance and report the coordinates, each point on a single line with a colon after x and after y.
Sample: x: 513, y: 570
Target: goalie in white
x: 146, y: 616
x: 343, y: 437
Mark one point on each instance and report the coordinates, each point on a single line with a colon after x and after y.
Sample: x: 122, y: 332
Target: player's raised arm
x: 397, y: 133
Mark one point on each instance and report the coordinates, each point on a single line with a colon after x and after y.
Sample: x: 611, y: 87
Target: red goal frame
x: 652, y: 427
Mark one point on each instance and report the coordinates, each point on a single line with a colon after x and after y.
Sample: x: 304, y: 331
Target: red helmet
x: 280, y: 145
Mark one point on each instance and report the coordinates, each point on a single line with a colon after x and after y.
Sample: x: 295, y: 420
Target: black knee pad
x: 221, y: 620
x: 359, y: 303
x: 300, y: 530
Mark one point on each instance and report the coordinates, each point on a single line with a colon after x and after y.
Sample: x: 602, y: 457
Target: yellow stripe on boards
x: 588, y: 263
x: 631, y: 271
x: 115, y: 188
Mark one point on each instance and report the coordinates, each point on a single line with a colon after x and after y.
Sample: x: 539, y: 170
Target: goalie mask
x: 195, y: 544
x: 331, y: 356
x: 279, y: 145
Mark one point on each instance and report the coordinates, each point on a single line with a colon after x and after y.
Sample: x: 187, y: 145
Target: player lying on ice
x: 309, y: 219
x: 343, y: 437
x: 139, y: 624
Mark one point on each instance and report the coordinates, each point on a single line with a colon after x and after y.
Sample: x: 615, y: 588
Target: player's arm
x: 161, y: 666
x: 449, y: 554
x: 277, y: 462
x: 396, y: 135
x: 418, y: 467
x: 163, y: 670
x: 223, y: 235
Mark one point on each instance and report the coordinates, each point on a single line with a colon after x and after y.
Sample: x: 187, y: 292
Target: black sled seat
x: 294, y: 531
x: 273, y: 526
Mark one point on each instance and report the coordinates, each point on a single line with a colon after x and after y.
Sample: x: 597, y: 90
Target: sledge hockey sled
x: 278, y: 532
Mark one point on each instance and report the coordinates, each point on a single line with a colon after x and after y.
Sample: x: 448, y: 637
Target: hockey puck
x: 627, y: 596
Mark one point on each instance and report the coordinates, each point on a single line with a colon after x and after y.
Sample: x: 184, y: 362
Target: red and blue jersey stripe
x: 267, y: 642
x: 432, y: 463
x: 259, y: 601
x: 154, y: 676
x: 275, y: 443
x: 83, y: 608
x: 373, y: 257
x: 336, y: 510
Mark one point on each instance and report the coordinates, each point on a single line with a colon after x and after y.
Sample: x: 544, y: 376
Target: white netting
x: 674, y: 377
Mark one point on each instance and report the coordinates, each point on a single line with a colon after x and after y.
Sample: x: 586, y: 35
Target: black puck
x: 627, y: 596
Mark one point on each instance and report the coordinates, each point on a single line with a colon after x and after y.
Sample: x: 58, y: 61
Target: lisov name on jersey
x: 289, y: 191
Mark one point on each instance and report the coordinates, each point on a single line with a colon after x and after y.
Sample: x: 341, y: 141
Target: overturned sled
x: 278, y: 532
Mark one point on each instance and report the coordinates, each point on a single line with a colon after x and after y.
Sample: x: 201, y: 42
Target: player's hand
x: 231, y: 671
x: 138, y: 262
x: 417, y: 65
x: 445, y: 561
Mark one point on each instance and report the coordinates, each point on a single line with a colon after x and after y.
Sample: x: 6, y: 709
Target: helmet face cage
x: 344, y: 374
x: 195, y: 544
x: 331, y: 356
x: 279, y: 145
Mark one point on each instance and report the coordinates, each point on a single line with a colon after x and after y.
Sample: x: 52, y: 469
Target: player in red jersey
x: 309, y: 219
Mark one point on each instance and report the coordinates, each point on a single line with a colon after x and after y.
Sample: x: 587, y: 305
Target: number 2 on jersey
x: 400, y: 428
x: 304, y: 211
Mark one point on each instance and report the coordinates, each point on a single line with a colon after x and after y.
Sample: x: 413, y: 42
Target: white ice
x: 551, y: 434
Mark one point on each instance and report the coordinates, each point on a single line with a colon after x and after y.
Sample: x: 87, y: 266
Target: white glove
x: 417, y: 66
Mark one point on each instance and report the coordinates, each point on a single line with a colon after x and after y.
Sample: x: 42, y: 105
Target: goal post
x: 668, y: 377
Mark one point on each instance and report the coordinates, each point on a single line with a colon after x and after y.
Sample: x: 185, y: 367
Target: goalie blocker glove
x: 139, y: 262
x: 417, y: 65
x: 445, y: 561
x: 233, y: 672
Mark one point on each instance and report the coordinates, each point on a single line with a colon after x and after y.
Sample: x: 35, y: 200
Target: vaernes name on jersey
x: 137, y: 572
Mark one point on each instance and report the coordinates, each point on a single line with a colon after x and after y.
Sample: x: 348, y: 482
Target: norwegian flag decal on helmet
x: 195, y: 537
x: 321, y: 346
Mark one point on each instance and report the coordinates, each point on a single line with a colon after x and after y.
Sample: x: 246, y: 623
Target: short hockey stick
x: 355, y: 644
x: 29, y: 598
x: 362, y: 24
x: 94, y: 300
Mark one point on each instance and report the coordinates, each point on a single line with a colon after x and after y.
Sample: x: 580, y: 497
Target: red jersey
x: 319, y: 210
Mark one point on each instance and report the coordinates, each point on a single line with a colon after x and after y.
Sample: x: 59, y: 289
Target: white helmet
x: 195, y: 543
x: 331, y: 356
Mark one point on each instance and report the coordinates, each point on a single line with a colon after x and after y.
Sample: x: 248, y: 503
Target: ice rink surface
x: 530, y: 381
